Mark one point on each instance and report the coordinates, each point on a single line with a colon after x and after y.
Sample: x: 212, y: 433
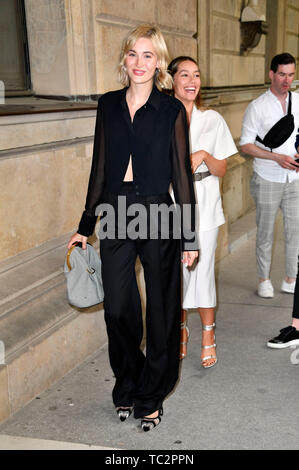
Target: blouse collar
x: 153, y: 100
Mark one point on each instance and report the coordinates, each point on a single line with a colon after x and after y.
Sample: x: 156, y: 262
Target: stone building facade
x: 46, y: 136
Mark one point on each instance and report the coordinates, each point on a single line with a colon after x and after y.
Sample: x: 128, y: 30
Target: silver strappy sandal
x: 211, y: 356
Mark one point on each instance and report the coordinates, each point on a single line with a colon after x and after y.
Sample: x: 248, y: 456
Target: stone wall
x: 47, y: 33
x: 219, y: 46
x: 291, y: 28
x: 43, y: 194
x: 75, y: 44
x: 283, y: 35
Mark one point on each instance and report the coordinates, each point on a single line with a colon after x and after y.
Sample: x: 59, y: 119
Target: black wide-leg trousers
x: 142, y: 380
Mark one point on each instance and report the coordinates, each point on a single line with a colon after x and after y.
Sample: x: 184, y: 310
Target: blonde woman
x: 141, y: 146
x: 211, y: 143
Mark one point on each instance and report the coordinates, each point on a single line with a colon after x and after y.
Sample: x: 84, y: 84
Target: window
x: 14, y: 61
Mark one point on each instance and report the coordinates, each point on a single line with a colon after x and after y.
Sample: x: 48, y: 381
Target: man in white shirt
x: 275, y: 181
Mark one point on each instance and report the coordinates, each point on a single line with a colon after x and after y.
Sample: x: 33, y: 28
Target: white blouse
x: 260, y: 115
x: 209, y: 132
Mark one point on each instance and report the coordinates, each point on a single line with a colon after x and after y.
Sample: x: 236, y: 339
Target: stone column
x: 46, y: 29
x: 61, y: 46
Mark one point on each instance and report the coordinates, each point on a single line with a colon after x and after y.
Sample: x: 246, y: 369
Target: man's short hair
x: 282, y: 59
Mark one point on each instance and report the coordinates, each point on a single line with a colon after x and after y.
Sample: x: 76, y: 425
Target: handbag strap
x: 290, y: 103
x: 69, y: 254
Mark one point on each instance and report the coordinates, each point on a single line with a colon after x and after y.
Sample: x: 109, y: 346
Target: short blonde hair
x: 162, y: 78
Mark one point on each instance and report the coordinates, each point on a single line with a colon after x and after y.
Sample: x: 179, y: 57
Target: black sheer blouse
x: 158, y: 141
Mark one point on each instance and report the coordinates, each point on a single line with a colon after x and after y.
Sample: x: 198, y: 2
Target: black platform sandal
x: 124, y: 412
x: 150, y: 423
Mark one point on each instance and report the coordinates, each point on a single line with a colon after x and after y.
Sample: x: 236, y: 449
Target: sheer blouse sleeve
x: 96, y: 179
x: 182, y: 181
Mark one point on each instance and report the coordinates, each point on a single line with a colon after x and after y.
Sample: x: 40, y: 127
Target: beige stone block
x: 222, y: 242
x: 56, y: 81
x: 292, y: 44
x: 263, y: 6
x: 292, y: 20
x: 4, y: 394
x: 179, y: 45
x: 42, y: 196
x: 256, y: 70
x: 61, y: 46
x: 204, y: 21
x: 23, y: 134
x: 178, y: 15
x: 77, y: 53
x: 108, y: 46
x: 47, y: 33
x: 229, y: 7
x: 226, y: 34
x: 235, y: 70
x: 247, y: 169
x: 50, y: 359
x: 232, y: 189
x: 88, y: 150
x: 220, y: 70
x: 237, y: 200
x: 233, y: 115
x: 128, y: 10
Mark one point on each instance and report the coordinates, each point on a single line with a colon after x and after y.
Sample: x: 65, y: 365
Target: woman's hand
x: 216, y: 167
x: 197, y: 158
x: 78, y: 238
x: 189, y: 257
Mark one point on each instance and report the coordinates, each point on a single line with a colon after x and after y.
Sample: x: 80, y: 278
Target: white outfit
x: 209, y: 132
x: 260, y: 115
x: 273, y: 187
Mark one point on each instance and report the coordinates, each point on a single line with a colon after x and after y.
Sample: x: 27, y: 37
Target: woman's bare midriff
x: 129, y: 173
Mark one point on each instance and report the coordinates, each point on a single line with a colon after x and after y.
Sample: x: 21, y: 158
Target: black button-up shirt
x: 158, y: 141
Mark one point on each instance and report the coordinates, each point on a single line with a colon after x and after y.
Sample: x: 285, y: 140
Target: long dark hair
x: 173, y: 68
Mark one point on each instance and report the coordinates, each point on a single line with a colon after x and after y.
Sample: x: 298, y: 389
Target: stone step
x: 35, y: 317
x: 43, y: 337
x: 241, y: 230
x: 22, y: 274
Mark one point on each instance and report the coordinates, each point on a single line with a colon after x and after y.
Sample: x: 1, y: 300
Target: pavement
x: 249, y: 400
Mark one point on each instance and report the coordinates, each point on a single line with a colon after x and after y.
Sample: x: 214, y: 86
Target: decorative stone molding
x: 251, y: 33
x: 253, y: 25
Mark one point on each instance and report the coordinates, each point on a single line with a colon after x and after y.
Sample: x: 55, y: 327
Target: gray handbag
x: 82, y: 269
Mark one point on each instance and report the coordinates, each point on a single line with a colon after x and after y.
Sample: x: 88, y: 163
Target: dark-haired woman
x: 211, y: 143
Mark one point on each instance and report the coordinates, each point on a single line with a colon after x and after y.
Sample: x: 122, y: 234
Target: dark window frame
x: 21, y: 10
x: 26, y: 87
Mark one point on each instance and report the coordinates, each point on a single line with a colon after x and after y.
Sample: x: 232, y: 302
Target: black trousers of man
x: 142, y: 380
x: 296, y: 296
